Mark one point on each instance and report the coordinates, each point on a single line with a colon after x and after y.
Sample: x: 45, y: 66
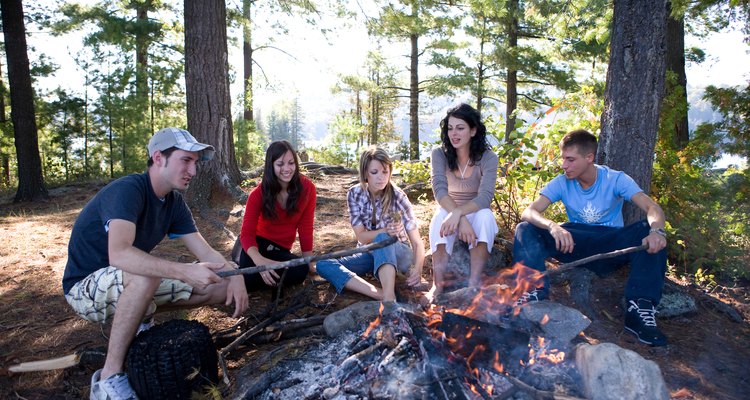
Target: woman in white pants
x: 464, y: 171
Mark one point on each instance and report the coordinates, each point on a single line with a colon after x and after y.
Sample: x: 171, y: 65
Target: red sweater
x: 282, y: 230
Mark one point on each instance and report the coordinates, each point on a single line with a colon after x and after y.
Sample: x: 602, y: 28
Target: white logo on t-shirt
x: 591, y: 214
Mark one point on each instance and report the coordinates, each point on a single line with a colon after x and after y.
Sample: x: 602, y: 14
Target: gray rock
x: 358, y: 315
x: 673, y: 304
x: 557, y: 322
x: 460, y: 260
x: 611, y: 372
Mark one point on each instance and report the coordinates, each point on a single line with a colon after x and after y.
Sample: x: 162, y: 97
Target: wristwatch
x: 659, y: 231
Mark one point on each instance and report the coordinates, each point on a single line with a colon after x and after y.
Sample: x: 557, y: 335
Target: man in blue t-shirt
x: 110, y: 273
x: 593, y: 196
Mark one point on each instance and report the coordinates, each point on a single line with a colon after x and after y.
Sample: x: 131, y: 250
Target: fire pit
x: 483, y: 350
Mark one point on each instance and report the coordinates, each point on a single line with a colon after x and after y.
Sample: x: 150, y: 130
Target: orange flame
x: 496, y: 364
x: 494, y: 301
x: 497, y: 296
x: 374, y: 323
x: 543, y: 353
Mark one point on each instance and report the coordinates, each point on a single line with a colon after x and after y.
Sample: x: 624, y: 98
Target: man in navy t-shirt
x: 593, y: 196
x: 110, y: 273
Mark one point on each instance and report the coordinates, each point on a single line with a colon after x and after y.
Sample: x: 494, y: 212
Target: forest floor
x: 705, y: 359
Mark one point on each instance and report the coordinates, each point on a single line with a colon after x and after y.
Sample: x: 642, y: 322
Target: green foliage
x: 284, y: 122
x: 412, y: 172
x: 706, y: 209
x: 249, y: 144
x: 374, y: 98
x: 734, y: 105
x: 340, y: 145
x: 530, y: 158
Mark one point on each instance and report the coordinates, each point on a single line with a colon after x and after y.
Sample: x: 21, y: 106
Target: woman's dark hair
x: 478, y: 143
x: 270, y: 185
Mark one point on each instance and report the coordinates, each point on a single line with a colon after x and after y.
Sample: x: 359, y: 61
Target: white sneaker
x: 116, y: 387
x: 144, y: 326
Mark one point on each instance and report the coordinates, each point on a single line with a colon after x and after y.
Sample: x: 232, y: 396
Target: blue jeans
x: 339, y: 271
x: 533, y: 245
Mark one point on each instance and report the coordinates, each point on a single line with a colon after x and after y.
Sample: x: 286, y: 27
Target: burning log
x: 486, y: 344
x: 357, y: 361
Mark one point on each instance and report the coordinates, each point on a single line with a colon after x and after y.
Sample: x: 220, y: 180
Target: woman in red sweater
x: 281, y: 206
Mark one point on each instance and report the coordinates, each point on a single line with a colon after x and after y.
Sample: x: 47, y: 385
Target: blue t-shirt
x: 130, y: 198
x: 600, y: 204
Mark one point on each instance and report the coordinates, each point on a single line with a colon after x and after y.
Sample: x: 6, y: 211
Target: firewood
x: 539, y: 394
x: 87, y: 357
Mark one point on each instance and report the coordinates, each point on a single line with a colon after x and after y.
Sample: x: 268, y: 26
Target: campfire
x: 469, y: 344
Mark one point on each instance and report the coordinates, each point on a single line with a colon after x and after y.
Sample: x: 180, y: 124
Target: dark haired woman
x: 464, y: 171
x: 282, y: 206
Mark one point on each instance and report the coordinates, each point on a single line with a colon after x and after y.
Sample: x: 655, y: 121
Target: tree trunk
x: 2, y: 95
x: 634, y: 92
x: 414, y: 99
x: 511, y: 102
x: 6, y: 169
x: 480, y: 68
x: 30, y: 180
x: 142, y: 100
x: 676, y: 64
x: 247, y: 59
x: 208, y: 100
x: 86, y: 126
x: 141, y: 51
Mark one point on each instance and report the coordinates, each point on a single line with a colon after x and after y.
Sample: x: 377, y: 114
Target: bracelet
x: 549, y: 226
x: 659, y: 231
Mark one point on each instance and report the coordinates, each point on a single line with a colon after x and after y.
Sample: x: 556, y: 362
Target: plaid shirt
x: 361, y: 210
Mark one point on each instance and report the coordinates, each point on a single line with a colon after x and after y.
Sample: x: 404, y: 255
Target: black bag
x: 172, y: 360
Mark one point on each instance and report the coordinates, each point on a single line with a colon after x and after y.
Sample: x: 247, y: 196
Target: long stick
x: 306, y: 260
x: 568, y: 266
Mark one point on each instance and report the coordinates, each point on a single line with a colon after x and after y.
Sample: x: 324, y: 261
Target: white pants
x: 483, y: 222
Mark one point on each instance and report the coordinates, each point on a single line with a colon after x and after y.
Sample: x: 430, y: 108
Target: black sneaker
x: 640, y: 320
x: 528, y: 297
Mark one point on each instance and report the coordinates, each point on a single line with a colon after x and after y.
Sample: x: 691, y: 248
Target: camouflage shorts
x: 95, y: 297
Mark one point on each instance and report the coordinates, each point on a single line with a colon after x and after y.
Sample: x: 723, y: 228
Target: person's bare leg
x: 387, y: 276
x: 138, y: 292
x: 213, y: 294
x: 479, y: 257
x: 439, y: 263
x: 361, y: 286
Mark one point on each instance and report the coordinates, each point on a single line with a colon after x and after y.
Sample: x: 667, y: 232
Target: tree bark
x: 511, y: 102
x: 2, y: 95
x: 247, y: 58
x: 208, y: 100
x: 676, y: 64
x: 634, y: 92
x: 30, y: 180
x: 414, y: 97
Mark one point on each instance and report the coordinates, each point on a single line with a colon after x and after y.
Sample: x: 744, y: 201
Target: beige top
x: 479, y: 186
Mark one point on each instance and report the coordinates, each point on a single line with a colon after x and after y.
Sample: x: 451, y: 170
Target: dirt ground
x: 705, y: 359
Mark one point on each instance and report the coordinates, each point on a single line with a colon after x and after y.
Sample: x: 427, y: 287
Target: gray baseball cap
x: 180, y: 138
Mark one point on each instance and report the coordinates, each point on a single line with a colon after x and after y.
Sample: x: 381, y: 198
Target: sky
x: 311, y: 64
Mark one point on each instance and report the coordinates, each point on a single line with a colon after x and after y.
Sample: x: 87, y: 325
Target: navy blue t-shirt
x: 130, y: 198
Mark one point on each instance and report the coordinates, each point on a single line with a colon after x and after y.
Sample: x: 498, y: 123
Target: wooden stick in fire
x: 568, y: 266
x: 306, y: 260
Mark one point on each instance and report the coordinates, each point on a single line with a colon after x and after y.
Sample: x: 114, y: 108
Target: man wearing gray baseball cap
x: 181, y: 139
x: 110, y: 273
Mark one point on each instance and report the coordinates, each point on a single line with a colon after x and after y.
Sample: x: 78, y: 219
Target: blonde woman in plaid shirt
x: 378, y: 209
